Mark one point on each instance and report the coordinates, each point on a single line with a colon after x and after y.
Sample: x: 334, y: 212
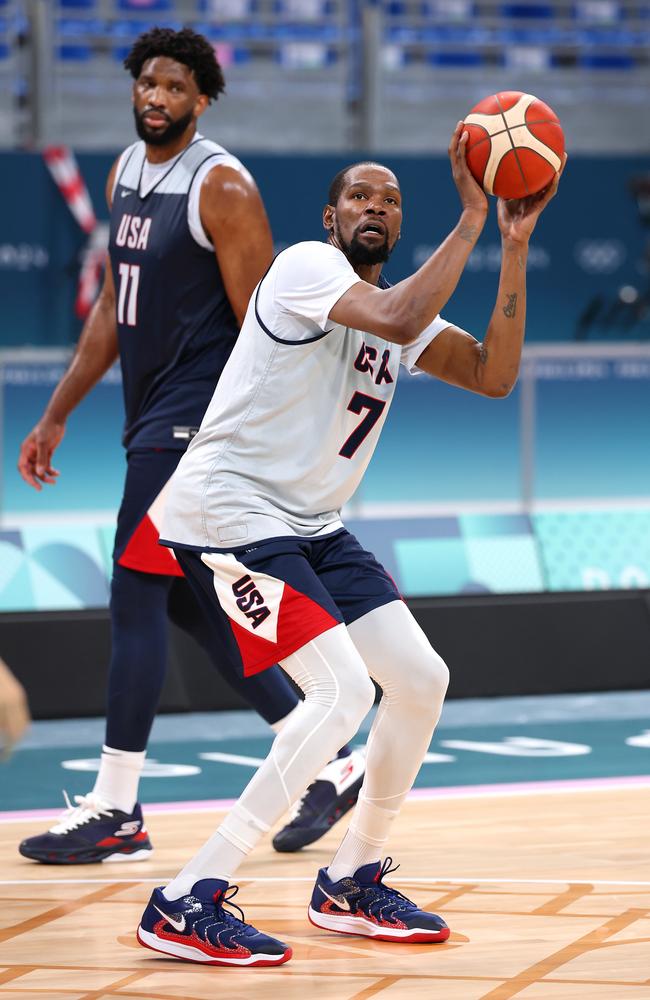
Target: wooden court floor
x: 548, y: 896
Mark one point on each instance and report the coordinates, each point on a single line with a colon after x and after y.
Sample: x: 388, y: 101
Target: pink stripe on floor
x: 452, y: 792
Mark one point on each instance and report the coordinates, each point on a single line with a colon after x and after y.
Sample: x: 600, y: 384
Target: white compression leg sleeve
x: 338, y: 694
x: 414, y: 680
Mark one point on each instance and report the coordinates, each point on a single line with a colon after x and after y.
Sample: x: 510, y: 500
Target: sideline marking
x: 568, y: 786
x: 483, y: 880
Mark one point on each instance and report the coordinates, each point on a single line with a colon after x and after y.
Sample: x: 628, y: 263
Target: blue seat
x: 528, y: 11
x: 130, y: 30
x: 74, y: 53
x: 606, y: 61
x: 614, y: 37
x: 547, y: 35
x: 76, y: 29
x: 78, y: 4
x: 468, y: 59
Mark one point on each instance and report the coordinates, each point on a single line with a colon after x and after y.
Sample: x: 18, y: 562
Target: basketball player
x: 189, y: 239
x: 253, y: 514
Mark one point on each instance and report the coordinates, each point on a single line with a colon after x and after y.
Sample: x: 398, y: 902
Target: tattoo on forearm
x: 510, y: 308
x: 483, y: 355
x: 467, y: 233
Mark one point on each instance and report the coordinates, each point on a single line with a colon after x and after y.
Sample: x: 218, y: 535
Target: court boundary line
x: 635, y: 782
x: 247, y: 879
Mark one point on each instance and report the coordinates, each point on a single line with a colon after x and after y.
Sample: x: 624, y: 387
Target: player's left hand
x: 14, y: 713
x: 518, y: 217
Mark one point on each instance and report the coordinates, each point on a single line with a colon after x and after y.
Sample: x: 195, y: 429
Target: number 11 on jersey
x: 128, y: 294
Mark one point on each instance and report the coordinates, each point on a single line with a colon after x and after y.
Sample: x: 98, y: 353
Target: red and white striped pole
x: 63, y: 166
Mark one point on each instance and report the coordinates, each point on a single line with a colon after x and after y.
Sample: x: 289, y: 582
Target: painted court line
x: 632, y: 782
x: 441, y: 880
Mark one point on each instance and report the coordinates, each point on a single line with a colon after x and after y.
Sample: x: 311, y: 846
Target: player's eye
x: 358, y: 194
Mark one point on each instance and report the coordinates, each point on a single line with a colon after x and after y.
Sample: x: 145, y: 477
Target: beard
x: 162, y: 137
x: 358, y: 253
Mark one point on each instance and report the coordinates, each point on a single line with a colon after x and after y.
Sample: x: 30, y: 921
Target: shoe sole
x: 359, y: 926
x: 142, y: 854
x: 310, y: 834
x: 188, y: 954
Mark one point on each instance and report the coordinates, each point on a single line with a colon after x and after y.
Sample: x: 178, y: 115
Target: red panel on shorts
x: 299, y: 621
x: 143, y: 552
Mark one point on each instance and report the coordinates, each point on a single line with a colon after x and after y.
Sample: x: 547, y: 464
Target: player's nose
x: 157, y: 98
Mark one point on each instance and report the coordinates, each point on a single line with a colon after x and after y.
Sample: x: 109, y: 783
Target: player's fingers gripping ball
x: 515, y: 144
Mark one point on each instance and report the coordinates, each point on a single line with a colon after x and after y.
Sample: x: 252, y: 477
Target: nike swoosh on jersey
x: 342, y: 905
x: 178, y: 925
x: 125, y: 194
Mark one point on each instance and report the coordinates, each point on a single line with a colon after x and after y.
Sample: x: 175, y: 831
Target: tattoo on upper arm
x: 483, y: 354
x: 510, y: 308
x: 467, y: 233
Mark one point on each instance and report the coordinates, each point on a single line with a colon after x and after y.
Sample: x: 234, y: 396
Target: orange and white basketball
x: 515, y: 144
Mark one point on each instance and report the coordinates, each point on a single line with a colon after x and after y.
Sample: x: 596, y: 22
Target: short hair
x: 338, y: 181
x: 186, y: 47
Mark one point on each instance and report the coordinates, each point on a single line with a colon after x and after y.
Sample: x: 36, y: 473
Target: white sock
x: 119, y: 777
x: 361, y: 846
x: 218, y: 857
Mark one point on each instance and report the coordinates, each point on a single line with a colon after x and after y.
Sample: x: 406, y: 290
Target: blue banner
x: 588, y: 246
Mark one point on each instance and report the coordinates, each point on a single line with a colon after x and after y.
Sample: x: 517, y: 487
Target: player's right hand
x: 471, y: 193
x: 35, y: 459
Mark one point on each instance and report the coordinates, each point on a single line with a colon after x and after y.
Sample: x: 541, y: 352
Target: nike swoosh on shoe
x: 178, y: 925
x: 343, y: 906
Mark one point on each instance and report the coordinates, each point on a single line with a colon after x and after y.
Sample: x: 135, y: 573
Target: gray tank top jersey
x: 295, y: 417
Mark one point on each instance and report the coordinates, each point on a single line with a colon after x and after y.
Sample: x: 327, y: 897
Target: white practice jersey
x: 296, y: 414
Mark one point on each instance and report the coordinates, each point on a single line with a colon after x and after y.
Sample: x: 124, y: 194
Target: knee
x: 426, y: 676
x: 355, y: 700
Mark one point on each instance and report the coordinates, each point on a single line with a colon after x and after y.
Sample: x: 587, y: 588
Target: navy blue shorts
x: 148, y: 472
x: 282, y: 592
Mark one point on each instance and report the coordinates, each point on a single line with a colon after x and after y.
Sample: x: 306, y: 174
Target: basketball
x: 515, y: 144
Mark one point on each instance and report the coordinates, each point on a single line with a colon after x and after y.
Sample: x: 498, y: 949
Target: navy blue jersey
x: 176, y: 327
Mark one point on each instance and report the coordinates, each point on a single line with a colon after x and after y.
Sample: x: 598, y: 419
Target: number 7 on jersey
x: 358, y: 404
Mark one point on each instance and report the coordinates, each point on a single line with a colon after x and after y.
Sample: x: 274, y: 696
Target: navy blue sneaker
x: 198, y: 928
x: 91, y: 831
x: 362, y: 904
x: 333, y: 793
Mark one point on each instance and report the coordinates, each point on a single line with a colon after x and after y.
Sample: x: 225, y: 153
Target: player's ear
x: 328, y: 217
x: 200, y: 105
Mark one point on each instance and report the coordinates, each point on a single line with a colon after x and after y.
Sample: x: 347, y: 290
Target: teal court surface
x: 481, y: 747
